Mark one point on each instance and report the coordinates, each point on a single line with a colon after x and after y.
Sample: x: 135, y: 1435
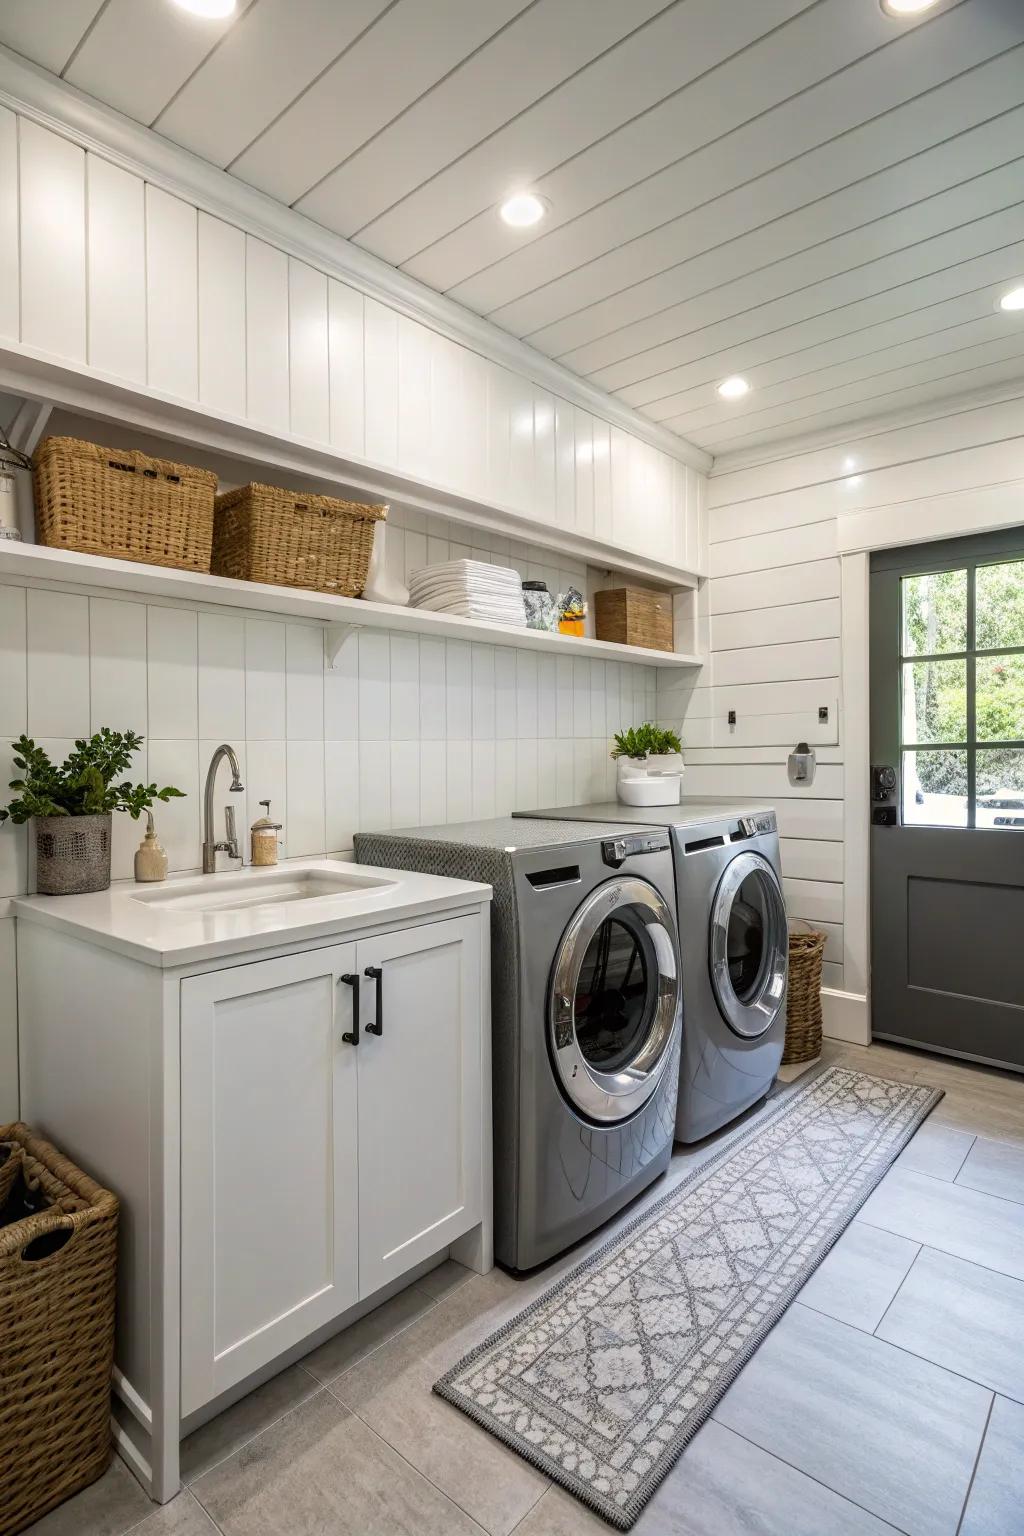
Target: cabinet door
x: 268, y: 1162
x: 419, y: 1096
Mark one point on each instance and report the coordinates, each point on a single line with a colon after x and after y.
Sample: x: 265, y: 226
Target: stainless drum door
x: 749, y: 945
x: 613, y: 999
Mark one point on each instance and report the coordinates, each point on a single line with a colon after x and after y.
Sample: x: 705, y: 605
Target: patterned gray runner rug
x: 603, y: 1381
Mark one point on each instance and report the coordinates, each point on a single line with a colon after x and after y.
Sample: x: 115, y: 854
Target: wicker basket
x: 803, y: 996
x: 116, y: 502
x: 634, y: 616
x: 56, y: 1336
x: 262, y: 533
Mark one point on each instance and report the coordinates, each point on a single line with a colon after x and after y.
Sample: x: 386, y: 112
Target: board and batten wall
x: 106, y: 273
x: 784, y: 626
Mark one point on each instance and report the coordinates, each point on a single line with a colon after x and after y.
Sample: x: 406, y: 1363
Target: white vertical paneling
x: 304, y: 800
x: 341, y: 773
x: 374, y: 686
x: 13, y: 678
x: 221, y: 683
x: 265, y: 681
x: 543, y: 501
x: 520, y: 466
x: 345, y: 348
x: 432, y: 700
x: 222, y: 362
x: 565, y: 466
x: 380, y: 362
x: 58, y: 664
x: 414, y: 391
x: 472, y: 425
x: 583, y: 434
x: 447, y: 457
x: 116, y: 225
x: 623, y: 529
x: 266, y: 334
x: 52, y: 195
x: 304, y: 691
x: 172, y: 301
x: 602, y: 455
x: 9, y: 299
x: 310, y: 366
x: 405, y: 687
x: 499, y: 435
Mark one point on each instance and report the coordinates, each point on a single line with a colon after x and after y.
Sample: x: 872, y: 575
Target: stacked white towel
x: 471, y: 589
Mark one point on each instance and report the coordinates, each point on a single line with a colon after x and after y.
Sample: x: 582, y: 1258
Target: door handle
x: 351, y: 1036
x: 376, y: 974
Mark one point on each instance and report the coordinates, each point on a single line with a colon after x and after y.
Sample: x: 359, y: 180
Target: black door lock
x: 883, y: 816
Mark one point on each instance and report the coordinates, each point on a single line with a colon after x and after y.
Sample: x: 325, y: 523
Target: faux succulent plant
x: 645, y: 740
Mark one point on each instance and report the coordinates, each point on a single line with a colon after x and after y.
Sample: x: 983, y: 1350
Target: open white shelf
x: 68, y: 566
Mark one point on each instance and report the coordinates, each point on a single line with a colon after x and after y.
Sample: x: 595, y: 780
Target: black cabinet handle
x: 377, y: 975
x: 351, y: 1036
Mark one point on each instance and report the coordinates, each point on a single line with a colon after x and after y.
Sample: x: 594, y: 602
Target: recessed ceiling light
x: 734, y: 388
x: 212, y: 10
x: 1011, y: 301
x: 901, y: 8
x: 523, y: 209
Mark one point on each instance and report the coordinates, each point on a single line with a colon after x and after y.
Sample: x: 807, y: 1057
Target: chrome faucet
x: 211, y: 848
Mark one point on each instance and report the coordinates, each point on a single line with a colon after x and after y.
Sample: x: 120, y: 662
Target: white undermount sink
x: 235, y: 893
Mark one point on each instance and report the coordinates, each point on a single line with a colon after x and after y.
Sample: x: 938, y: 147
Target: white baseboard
x: 845, y: 1016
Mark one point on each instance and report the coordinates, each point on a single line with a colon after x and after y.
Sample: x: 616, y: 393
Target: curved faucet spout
x: 230, y: 844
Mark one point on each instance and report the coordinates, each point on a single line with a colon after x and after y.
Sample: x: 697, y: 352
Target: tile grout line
x: 906, y: 1276
x: 317, y: 1386
x: 936, y: 1249
x: 977, y: 1463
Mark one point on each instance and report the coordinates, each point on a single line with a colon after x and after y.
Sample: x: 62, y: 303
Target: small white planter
x: 665, y: 762
x: 650, y: 789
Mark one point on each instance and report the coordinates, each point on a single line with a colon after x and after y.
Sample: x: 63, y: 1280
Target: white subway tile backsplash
x: 117, y: 665
x: 374, y: 786
x: 504, y: 778
x: 458, y: 780
x: 547, y: 695
x: 405, y: 783
x: 173, y: 673
x: 564, y: 698
x: 415, y: 552
x: 180, y: 821
x: 374, y: 686
x: 564, y: 792
x: 265, y: 680
x: 547, y: 772
x: 341, y: 693
x: 341, y: 772
x: 13, y: 672
x: 526, y: 695
x: 433, y: 724
x: 580, y: 697
x: 433, y: 788
x: 265, y: 777
x: 458, y: 690
x: 304, y: 799
x: 304, y: 690
x: 405, y: 688
x: 58, y: 664
x: 526, y: 775
x: 221, y: 651
x: 504, y: 694
x: 484, y: 713
x: 483, y: 798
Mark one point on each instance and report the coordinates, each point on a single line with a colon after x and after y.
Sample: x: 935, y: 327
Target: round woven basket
x: 803, y: 996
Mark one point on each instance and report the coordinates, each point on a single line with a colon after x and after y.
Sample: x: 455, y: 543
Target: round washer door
x: 613, y: 999
x: 749, y: 945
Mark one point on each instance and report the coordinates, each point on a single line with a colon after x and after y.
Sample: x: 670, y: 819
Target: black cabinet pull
x: 377, y: 975
x: 351, y: 1036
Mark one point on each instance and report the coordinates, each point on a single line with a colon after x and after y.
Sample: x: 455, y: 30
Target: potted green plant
x: 72, y: 805
x: 646, y: 754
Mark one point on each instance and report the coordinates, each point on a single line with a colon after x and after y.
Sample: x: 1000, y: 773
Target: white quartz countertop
x: 166, y: 925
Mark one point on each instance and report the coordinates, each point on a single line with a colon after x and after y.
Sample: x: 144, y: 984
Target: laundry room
x: 512, y: 700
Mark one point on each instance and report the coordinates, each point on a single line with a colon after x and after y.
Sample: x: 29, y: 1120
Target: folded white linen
x: 467, y: 574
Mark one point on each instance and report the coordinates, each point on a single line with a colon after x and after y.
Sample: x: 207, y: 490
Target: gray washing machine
x: 734, y: 948
x: 586, y: 1014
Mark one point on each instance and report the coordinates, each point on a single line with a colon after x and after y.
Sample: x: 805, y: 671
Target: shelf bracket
x: 335, y: 636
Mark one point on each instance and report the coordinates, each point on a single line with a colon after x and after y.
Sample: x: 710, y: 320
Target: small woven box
x: 123, y: 504
x: 803, y: 995
x: 58, y: 1274
x: 287, y: 539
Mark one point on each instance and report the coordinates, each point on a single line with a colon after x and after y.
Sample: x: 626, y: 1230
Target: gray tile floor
x: 889, y: 1398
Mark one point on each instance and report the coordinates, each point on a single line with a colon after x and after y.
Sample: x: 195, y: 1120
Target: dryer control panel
x: 764, y: 821
x: 615, y: 850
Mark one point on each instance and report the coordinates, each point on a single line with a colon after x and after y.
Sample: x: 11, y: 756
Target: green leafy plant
x: 645, y: 740
x: 84, y: 784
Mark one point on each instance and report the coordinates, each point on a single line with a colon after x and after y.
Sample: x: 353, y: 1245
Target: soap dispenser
x: 150, y: 857
x: 263, y: 838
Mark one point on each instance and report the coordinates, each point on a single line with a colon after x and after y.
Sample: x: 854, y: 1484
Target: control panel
x: 764, y: 821
x: 615, y: 850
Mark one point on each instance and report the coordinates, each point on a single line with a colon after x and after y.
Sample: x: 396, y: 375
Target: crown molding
x: 36, y: 94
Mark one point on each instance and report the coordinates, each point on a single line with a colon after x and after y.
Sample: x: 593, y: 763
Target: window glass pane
x: 934, y: 701
x: 1000, y: 787
x: 934, y: 611
x: 999, y: 699
x: 935, y: 789
x: 1000, y: 605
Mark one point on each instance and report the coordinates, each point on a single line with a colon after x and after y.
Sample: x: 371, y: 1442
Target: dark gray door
x: 947, y: 835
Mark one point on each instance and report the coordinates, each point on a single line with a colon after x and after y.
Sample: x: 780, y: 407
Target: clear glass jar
x: 541, y: 607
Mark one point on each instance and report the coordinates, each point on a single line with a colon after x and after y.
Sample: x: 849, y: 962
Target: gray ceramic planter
x: 72, y: 854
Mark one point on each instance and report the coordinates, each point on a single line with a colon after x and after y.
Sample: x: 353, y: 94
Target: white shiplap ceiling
x: 810, y: 193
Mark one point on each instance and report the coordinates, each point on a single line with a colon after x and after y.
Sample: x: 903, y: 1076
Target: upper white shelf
x: 68, y: 566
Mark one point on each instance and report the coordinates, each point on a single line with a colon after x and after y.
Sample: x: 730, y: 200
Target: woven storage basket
x: 56, y: 1336
x: 803, y: 996
x: 116, y: 502
x: 262, y: 533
